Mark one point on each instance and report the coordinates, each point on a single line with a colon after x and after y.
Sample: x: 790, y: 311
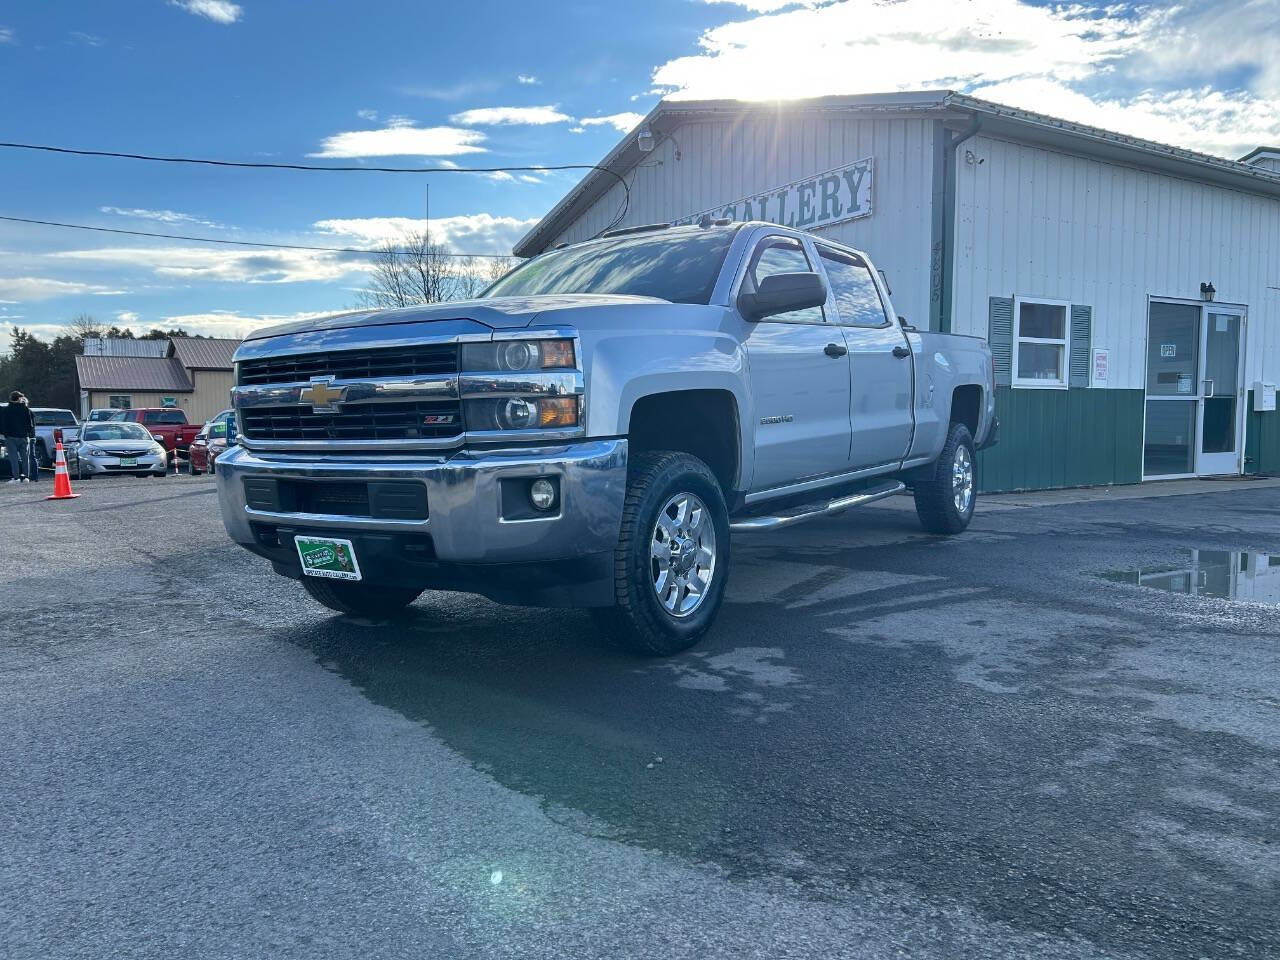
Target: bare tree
x: 416, y: 271
x: 84, y: 326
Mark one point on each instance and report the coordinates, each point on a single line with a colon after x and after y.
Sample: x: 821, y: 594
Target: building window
x: 120, y: 401
x: 1041, y: 332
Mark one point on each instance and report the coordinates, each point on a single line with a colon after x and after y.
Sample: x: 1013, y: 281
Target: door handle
x: 1208, y: 388
x: 901, y: 352
x: 835, y: 350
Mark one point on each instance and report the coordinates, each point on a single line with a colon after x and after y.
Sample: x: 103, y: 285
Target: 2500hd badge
x: 596, y: 430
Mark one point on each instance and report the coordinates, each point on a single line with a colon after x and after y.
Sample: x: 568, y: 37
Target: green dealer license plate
x: 325, y: 557
x: 128, y: 461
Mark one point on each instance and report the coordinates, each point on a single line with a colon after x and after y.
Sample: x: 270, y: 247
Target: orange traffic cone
x: 61, y: 479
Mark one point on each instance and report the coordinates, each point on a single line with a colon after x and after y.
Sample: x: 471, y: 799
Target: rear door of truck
x: 880, y: 362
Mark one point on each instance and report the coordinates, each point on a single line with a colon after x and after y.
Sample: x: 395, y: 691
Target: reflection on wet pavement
x: 1229, y: 574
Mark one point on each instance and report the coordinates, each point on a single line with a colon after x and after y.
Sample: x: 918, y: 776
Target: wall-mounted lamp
x: 1207, y: 292
x: 972, y: 159
x: 644, y: 140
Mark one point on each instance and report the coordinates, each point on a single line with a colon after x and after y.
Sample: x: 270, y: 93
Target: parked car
x: 203, y: 453
x: 599, y: 426
x: 53, y: 426
x: 115, y: 446
x: 167, y: 424
x: 102, y: 413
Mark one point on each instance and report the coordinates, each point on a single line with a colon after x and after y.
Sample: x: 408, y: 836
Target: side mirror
x: 902, y: 322
x: 782, y: 293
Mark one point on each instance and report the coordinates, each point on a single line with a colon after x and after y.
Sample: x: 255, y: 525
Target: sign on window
x: 835, y: 196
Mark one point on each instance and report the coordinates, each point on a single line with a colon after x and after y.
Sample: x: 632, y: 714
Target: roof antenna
x: 704, y: 221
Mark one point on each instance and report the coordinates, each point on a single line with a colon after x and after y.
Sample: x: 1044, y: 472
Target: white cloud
x: 229, y: 266
x: 230, y: 323
x: 527, y: 79
x: 1172, y: 73
x: 7, y: 36
x: 219, y: 11
x: 475, y: 233
x: 578, y: 129
x: 126, y: 317
x: 625, y: 122
x: 402, y: 142
x: 159, y: 216
x: 86, y: 39
x: 767, y: 6
x: 370, y: 115
x: 487, y: 116
x: 46, y: 288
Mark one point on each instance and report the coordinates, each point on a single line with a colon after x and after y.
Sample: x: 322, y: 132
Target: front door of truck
x: 880, y: 413
x: 799, y: 380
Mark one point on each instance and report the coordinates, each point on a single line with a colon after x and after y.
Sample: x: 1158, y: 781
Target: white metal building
x: 1130, y: 290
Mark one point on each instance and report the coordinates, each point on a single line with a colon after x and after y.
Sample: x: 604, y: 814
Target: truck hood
x: 498, y: 313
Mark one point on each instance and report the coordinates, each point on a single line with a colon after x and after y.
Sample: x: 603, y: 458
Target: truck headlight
x: 508, y: 355
x: 521, y: 413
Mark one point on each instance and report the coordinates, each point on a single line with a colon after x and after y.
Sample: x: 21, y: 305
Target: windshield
x: 54, y: 418
x: 115, y: 430
x: 680, y: 267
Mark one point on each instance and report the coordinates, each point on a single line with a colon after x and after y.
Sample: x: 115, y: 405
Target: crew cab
x: 599, y: 427
x: 167, y: 424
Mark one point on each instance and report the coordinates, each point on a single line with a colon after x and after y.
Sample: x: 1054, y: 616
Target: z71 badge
x: 437, y: 418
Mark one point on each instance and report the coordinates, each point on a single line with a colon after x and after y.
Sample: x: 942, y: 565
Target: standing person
x: 18, y: 426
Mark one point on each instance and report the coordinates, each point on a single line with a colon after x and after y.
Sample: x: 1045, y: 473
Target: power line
x: 323, y: 168
x: 245, y: 243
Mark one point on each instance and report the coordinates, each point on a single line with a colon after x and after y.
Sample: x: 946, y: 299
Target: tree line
x: 46, y: 372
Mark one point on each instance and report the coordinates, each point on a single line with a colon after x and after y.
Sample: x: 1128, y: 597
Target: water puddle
x: 1229, y: 574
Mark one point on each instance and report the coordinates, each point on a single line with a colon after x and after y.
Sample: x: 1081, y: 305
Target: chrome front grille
x: 408, y: 361
x: 403, y: 393
x: 416, y: 420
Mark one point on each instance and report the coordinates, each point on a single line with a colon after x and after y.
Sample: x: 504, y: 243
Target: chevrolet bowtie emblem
x: 322, y: 395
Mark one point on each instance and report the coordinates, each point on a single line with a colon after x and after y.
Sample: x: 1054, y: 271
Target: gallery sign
x: 819, y: 201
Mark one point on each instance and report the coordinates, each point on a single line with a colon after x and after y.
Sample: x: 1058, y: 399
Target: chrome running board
x: 809, y: 511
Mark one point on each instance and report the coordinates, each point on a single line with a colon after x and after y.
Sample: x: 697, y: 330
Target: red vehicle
x: 211, y: 441
x: 167, y: 424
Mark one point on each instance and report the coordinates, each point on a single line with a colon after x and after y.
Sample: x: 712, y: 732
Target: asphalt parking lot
x: 890, y: 745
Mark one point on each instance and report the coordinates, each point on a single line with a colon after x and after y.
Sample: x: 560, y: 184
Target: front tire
x: 359, y: 599
x: 946, y: 502
x: 672, y: 557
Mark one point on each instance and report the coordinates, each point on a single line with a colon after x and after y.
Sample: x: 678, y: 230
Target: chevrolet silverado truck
x: 597, y: 428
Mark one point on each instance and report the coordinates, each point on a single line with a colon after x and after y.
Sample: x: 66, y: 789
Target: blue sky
x: 490, y: 83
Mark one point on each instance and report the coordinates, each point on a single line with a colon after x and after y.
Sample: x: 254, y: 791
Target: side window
x: 783, y: 255
x: 218, y: 429
x: 853, y: 289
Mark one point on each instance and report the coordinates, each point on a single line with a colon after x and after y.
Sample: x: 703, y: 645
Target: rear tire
x: 191, y: 468
x: 360, y: 599
x: 946, y: 502
x: 672, y: 557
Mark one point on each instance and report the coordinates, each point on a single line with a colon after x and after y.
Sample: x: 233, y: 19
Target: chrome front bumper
x: 464, y: 499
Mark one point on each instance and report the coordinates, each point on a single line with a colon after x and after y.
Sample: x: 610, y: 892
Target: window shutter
x: 1000, y: 337
x: 1081, y: 341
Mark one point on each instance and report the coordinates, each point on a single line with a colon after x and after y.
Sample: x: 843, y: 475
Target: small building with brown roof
x: 193, y: 374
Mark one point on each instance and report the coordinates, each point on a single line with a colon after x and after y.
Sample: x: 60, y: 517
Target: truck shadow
x: 819, y: 733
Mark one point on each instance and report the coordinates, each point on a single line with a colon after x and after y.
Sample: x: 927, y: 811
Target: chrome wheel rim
x: 962, y: 479
x: 682, y: 551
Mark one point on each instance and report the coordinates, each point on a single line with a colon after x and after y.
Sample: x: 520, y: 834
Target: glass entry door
x: 1193, y: 390
x: 1221, y: 392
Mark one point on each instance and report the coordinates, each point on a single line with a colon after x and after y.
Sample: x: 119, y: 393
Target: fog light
x: 542, y: 494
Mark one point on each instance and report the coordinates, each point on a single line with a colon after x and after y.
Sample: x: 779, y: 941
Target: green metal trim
x: 1261, y: 441
x: 939, y: 247
x: 1064, y: 438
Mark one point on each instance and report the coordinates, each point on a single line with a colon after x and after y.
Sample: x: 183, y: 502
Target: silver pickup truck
x: 597, y: 427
